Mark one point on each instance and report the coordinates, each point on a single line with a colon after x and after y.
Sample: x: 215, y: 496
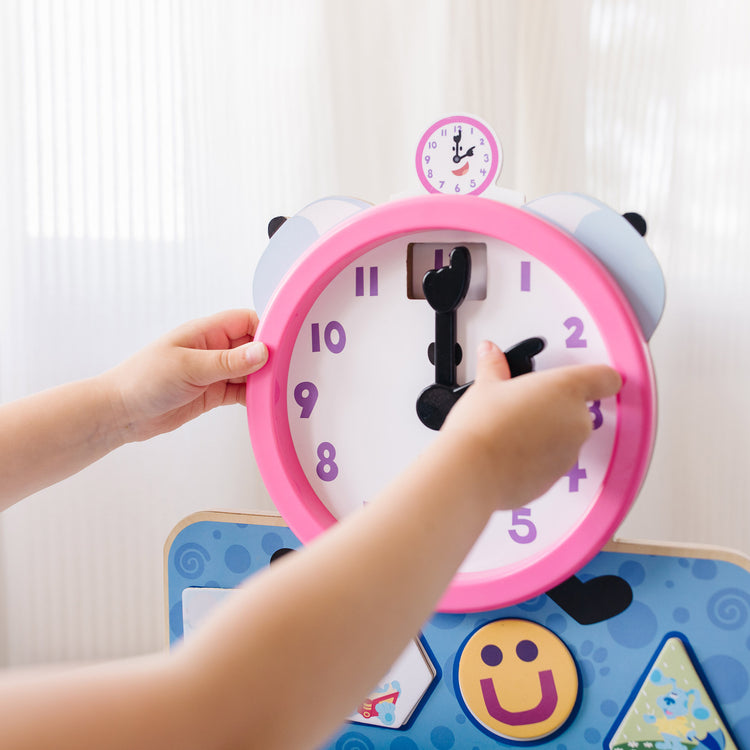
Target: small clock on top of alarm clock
x: 459, y: 155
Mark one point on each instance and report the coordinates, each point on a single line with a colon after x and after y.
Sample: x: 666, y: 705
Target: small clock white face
x: 361, y: 360
x: 458, y: 155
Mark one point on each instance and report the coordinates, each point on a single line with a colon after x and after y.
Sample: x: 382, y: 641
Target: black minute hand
x: 444, y: 289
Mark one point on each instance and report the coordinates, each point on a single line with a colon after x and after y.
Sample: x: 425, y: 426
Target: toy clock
x: 459, y: 155
x: 372, y: 317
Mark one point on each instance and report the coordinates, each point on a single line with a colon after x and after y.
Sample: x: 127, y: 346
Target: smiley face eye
x: 492, y: 655
x: 527, y: 650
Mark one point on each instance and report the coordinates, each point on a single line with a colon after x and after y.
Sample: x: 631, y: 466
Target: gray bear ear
x: 617, y: 241
x: 290, y: 237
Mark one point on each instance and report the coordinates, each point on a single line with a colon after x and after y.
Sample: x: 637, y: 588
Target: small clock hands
x: 457, y: 155
x: 445, y: 289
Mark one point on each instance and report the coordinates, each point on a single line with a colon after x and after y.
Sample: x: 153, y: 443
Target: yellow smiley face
x: 517, y: 679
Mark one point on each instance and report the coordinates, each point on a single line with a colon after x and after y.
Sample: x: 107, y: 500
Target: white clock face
x: 458, y: 155
x: 360, y: 362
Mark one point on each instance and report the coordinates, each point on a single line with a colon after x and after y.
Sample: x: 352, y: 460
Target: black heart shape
x: 596, y: 600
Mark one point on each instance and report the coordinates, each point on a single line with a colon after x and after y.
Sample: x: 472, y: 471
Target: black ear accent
x: 274, y: 225
x: 279, y: 554
x: 637, y: 222
x: 596, y: 600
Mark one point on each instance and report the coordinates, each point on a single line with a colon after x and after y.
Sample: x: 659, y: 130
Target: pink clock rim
x: 487, y: 182
x: 266, y: 390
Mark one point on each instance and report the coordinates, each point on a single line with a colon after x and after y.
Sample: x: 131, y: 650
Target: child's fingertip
x: 256, y: 354
x: 485, y: 348
x: 491, y: 361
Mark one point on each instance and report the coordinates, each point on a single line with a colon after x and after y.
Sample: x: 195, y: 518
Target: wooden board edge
x: 679, y: 549
x: 264, y: 518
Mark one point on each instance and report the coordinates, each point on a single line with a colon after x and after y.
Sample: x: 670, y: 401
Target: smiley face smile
x: 541, y: 712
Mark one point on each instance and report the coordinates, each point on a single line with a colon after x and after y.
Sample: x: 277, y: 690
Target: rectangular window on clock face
x: 424, y: 256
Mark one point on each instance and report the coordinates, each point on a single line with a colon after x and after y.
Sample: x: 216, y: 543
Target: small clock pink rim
x: 267, y: 401
x: 495, y: 149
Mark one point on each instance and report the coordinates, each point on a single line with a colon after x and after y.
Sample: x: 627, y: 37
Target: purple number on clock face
x: 574, y: 476
x: 575, y: 340
x: 596, y: 414
x: 359, y: 281
x: 327, y: 469
x: 334, y: 337
x: 306, y: 396
x: 525, y: 276
x: 521, y: 517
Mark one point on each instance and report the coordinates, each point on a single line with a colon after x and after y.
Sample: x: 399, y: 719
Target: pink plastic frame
x: 267, y: 390
x: 479, y: 126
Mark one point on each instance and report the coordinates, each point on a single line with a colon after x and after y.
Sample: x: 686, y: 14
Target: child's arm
x: 309, y: 640
x: 51, y: 435
x: 292, y: 654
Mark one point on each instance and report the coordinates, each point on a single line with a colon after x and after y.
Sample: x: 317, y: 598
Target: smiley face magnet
x: 517, y: 680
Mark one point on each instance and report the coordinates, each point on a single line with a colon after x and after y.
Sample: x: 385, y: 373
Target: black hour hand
x: 521, y: 356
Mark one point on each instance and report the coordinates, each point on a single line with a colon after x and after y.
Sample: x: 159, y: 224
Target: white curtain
x: 144, y: 145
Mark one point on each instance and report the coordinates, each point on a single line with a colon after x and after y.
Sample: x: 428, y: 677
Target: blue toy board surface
x: 690, y: 613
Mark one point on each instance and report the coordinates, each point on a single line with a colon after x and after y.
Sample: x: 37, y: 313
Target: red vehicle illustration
x: 382, y: 706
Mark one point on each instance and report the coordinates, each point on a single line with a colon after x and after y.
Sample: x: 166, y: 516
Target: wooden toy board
x: 684, y: 637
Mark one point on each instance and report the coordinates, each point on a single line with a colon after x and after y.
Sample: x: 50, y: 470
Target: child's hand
x: 530, y: 429
x: 198, y: 366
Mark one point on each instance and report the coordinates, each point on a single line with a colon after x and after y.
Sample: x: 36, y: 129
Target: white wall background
x: 145, y: 144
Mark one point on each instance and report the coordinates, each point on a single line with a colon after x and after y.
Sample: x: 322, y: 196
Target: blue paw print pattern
x: 706, y: 601
x: 218, y: 554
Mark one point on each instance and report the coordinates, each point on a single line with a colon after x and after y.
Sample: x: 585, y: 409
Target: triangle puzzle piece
x: 671, y: 709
